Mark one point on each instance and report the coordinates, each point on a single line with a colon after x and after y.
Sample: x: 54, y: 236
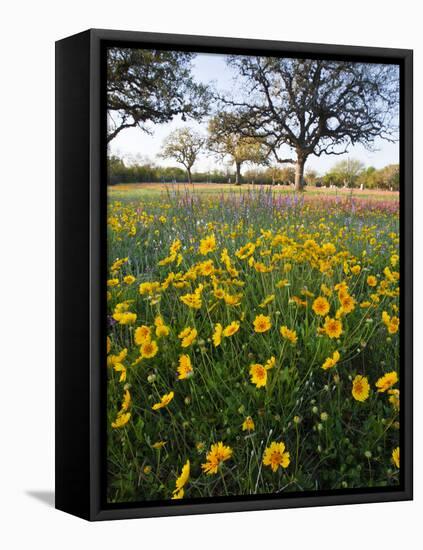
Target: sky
x: 133, y: 143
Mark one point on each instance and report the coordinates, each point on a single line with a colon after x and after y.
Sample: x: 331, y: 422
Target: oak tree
x: 147, y: 87
x: 224, y: 141
x: 315, y: 107
x: 183, y: 145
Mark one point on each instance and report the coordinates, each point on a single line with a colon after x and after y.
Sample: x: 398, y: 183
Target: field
x: 141, y: 190
x: 253, y: 341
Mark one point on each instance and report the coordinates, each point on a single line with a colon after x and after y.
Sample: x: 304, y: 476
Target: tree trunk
x: 299, y: 173
x: 189, y: 176
x: 238, y: 174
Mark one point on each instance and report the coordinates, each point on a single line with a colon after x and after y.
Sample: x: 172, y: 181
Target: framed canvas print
x: 234, y: 274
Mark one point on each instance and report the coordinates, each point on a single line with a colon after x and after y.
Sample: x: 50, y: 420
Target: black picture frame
x: 80, y: 272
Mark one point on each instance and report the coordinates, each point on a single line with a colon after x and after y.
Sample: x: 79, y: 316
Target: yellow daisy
x: 218, y: 453
x: 231, y: 329
x: 262, y: 323
x: 164, y: 401
x: 185, y: 369
x: 321, y: 306
x: 396, y: 457
x: 217, y: 335
x: 387, y: 381
x: 142, y: 334
x: 121, y: 420
x: 188, y: 336
x: 275, y: 456
x: 258, y: 375
x: 207, y: 245
x: 181, y: 481
x: 330, y: 362
x: 333, y: 327
x: 371, y: 280
x: 361, y: 389
x: 149, y: 349
x: 248, y: 424
x: 289, y: 334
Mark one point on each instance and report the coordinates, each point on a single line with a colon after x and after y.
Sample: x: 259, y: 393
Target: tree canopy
x: 183, y: 145
x: 315, y: 107
x: 225, y: 142
x: 345, y: 173
x: 151, y: 87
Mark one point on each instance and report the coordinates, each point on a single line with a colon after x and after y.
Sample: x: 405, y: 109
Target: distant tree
x: 223, y: 141
x: 287, y: 175
x: 332, y: 178
x: 347, y: 172
x: 115, y: 168
x: 390, y: 177
x: 315, y: 107
x: 151, y: 86
x: 311, y: 177
x: 369, y: 178
x: 272, y: 175
x: 255, y: 175
x: 183, y: 145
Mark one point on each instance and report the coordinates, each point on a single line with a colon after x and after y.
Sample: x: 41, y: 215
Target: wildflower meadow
x: 252, y: 342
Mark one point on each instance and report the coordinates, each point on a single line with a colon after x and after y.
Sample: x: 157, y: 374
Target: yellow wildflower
x: 185, y: 369
x: 149, y: 288
x: 321, y: 306
x: 269, y: 299
x: 218, y: 453
x: 371, y: 280
x: 396, y: 457
x: 129, y: 279
x: 275, y: 456
x: 245, y: 251
x: 387, y: 381
x: 289, y: 334
x: 164, y: 401
x: 258, y: 375
x: 192, y: 300
x: 394, y: 398
x: 125, y: 402
x: 330, y: 362
x: 162, y: 331
x: 262, y: 323
x: 361, y: 389
x: 232, y: 300
x: 114, y: 359
x: 248, y: 424
x: 121, y: 420
x: 231, y: 329
x: 333, y: 327
x: 217, y: 335
x: 181, y: 481
x: 187, y: 336
x: 270, y: 363
x: 142, y: 334
x: 149, y: 349
x: 391, y: 323
x: 207, y: 245
x: 348, y: 303
x: 125, y: 318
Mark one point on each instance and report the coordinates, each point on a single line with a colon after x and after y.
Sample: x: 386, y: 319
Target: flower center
x: 276, y: 457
